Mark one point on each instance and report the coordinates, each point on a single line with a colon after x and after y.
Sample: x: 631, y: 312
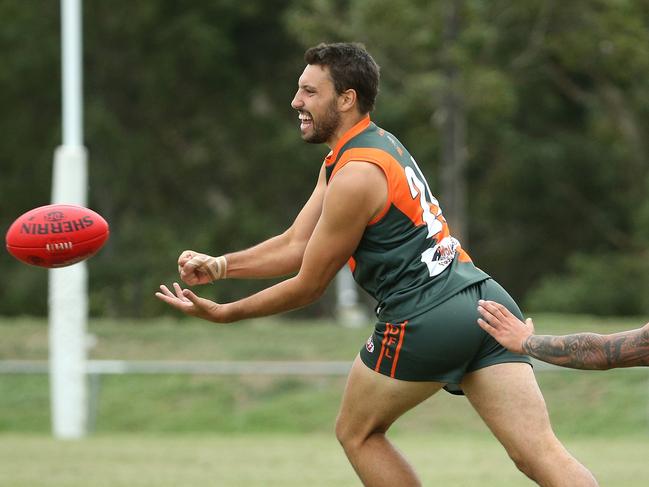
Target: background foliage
x: 193, y: 144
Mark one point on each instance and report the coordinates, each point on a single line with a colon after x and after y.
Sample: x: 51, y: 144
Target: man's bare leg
x: 508, y: 399
x: 371, y: 403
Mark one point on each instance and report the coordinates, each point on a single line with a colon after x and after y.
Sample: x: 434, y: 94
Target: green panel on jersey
x: 389, y: 261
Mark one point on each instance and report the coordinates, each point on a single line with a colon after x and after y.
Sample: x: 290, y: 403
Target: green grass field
x: 201, y: 430
x: 284, y: 460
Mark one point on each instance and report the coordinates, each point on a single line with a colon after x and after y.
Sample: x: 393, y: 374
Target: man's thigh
x: 509, y: 400
x: 372, y: 401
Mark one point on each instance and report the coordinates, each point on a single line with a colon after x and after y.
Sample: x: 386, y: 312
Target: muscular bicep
x: 353, y: 198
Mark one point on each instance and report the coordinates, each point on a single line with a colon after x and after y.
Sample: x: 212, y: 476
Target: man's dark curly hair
x: 351, y: 67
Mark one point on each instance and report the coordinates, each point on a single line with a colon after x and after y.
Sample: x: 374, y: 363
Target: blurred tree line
x: 539, y: 109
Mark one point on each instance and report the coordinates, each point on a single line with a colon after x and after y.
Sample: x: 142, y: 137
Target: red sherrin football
x: 56, y: 235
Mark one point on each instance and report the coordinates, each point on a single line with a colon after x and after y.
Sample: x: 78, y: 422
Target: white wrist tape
x: 217, y: 268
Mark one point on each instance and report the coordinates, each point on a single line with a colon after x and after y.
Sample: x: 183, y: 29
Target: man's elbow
x: 315, y: 291
x: 311, y: 289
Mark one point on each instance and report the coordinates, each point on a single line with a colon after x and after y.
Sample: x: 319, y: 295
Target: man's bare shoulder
x: 361, y: 173
x: 363, y: 182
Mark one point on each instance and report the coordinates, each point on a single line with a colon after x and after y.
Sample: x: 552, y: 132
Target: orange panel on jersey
x: 398, y: 190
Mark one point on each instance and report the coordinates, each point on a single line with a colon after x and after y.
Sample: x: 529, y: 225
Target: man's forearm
x: 276, y: 257
x: 281, y: 255
x: 591, y: 350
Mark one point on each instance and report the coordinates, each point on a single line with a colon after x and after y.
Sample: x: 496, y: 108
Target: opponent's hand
x: 196, y: 268
x: 501, y: 324
x: 189, y: 303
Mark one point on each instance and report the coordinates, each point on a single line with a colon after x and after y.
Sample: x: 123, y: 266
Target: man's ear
x: 347, y: 100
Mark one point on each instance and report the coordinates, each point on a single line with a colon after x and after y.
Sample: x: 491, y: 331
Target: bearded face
x: 320, y: 128
x: 316, y: 102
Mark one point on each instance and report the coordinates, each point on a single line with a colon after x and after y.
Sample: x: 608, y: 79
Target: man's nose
x: 297, y: 102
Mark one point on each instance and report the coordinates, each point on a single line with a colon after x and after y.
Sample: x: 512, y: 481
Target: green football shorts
x: 443, y: 343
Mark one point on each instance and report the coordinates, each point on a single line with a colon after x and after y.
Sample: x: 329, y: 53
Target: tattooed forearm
x: 580, y: 351
x: 591, y: 350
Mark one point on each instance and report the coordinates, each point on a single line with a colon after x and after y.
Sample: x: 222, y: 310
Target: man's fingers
x: 189, y: 303
x: 190, y: 296
x: 192, y: 264
x: 496, y: 309
x: 177, y: 300
x: 190, y: 271
x: 179, y: 293
x: 178, y: 290
x: 185, y: 256
x: 199, y: 261
x: 170, y: 299
x: 198, y: 265
x: 487, y: 315
x: 165, y: 290
x: 486, y: 326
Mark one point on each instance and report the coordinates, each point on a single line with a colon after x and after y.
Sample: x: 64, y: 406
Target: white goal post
x: 68, y: 295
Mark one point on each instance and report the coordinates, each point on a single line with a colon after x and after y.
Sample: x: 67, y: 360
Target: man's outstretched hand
x: 189, y: 303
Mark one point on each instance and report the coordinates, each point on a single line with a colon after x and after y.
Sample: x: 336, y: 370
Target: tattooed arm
x: 579, y: 351
x: 591, y: 350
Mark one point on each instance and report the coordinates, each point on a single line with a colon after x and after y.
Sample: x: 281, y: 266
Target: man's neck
x: 347, y: 122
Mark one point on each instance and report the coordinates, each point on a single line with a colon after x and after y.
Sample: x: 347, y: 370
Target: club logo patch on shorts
x: 369, y: 345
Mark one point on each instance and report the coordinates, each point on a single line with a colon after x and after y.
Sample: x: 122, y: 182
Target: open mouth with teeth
x: 306, y: 121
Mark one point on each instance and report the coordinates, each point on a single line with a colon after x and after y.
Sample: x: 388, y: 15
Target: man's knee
x: 346, y: 435
x: 523, y: 462
x: 535, y: 461
x: 352, y: 435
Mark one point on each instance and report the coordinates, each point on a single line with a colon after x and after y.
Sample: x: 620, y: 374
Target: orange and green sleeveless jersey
x: 407, y: 259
